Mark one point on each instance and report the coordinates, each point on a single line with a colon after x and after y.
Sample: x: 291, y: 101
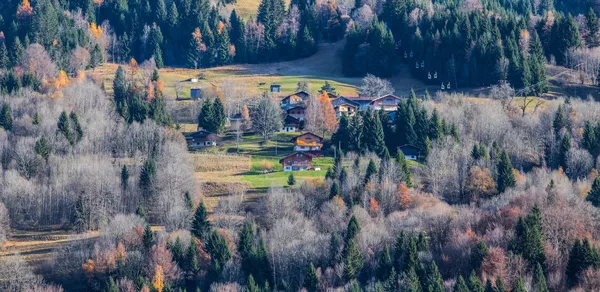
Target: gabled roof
x: 342, y: 100
x: 198, y: 134
x: 289, y: 120
x: 293, y: 106
x: 387, y: 95
x: 310, y: 155
x: 304, y: 134
x: 410, y: 149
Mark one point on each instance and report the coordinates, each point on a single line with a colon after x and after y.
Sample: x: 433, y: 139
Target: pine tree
x: 147, y: 181
x: 120, y: 90
x: 148, y: 237
x: 461, y: 285
x: 422, y: 244
x: 353, y: 260
x: 565, y: 146
x: 500, y: 285
x: 219, y: 117
x: 6, y: 118
x: 111, y: 286
x: 173, y: 16
x: 593, y: 196
x: 76, y: 126
x: 160, y: 12
x: 311, y: 281
x: 342, y: 136
x: 539, y: 280
x: 529, y: 239
x: 200, y: 225
x: 435, y: 282
x: 206, y: 116
x: 475, y: 284
x: 124, y: 177
x: 4, y: 60
x: 42, y: 148
x: 252, y: 285
x: 478, y: 254
x: 560, y: 121
x: 506, y: 177
x: 352, y: 230
x: 519, y: 286
x: 17, y: 51
x: 406, y: 175
x: 371, y: 171
x: 591, y: 21
x: 64, y: 127
x: 192, y: 264
x: 219, y: 252
x: 385, y: 265
x: 291, y: 180
x: 410, y: 281
x: 334, y: 190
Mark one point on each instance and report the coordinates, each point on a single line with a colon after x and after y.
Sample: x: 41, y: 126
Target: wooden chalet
x: 342, y: 105
x: 297, y: 111
x: 201, y: 138
x: 298, y: 97
x: 290, y: 124
x: 411, y: 152
x: 297, y: 161
x: 308, y: 142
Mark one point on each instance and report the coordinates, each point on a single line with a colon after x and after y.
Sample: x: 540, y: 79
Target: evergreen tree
x: 435, y: 282
x: 124, y: 177
x: 219, y: 252
x: 291, y: 180
x: 410, y: 281
x: 148, y: 237
x: 500, y: 285
x: 64, y: 127
x: 120, y: 90
x: 334, y: 190
x: 560, y: 120
x: 385, y: 265
x: 506, y: 177
x: 591, y: 21
x: 406, y: 176
x: 42, y: 148
x: 371, y: 171
x: 353, y: 260
x: 111, y: 286
x: 206, y: 116
x: 173, y: 16
x: 593, y: 196
x: 475, y: 284
x: 311, y: 282
x: 581, y: 257
x: 461, y: 285
x: 373, y: 137
x: 4, y: 60
x: 148, y: 178
x: 6, y: 118
x: 96, y: 58
x: 341, y: 138
x: 36, y: 119
x: 422, y: 244
x: 160, y: 12
x: 529, y: 239
x: 352, y: 230
x: 565, y: 146
x: 77, y: 126
x: 17, y: 51
x: 519, y: 286
x: 537, y: 64
x: 192, y: 264
x: 539, y: 280
x: 219, y: 118
x: 478, y: 254
x: 200, y: 225
x: 252, y: 286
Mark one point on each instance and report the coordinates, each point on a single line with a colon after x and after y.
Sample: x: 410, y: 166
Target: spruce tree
x: 406, y: 175
x: 529, y: 239
x: 410, y: 281
x: 42, y: 148
x: 461, y: 285
x: 120, y: 90
x: 539, y: 280
x: 124, y: 177
x: 560, y: 120
x: 506, y: 177
x: 435, y: 282
x: 371, y: 171
x: 593, y: 196
x: 475, y: 284
x: 478, y: 254
x: 148, y: 237
x: 565, y: 146
x: 6, y: 118
x: 219, y: 118
x: 385, y: 265
x: 17, y: 51
x: 291, y: 180
x: 219, y: 252
x: 500, y: 285
x: 147, y: 181
x: 4, y: 60
x: 76, y: 126
x: 591, y: 21
x: 206, y: 118
x: 200, y: 225
x: 352, y: 230
x: 311, y: 282
x: 334, y: 190
x: 353, y: 260
x: 111, y: 286
x: 64, y: 127
x: 519, y: 286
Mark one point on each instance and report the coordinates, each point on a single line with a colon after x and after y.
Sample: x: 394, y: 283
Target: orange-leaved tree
x: 159, y: 279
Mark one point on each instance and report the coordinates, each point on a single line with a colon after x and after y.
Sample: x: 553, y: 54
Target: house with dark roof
x: 290, y: 124
x: 201, y: 138
x: 297, y: 161
x: 411, y: 152
x: 296, y: 111
x: 298, y: 97
x: 387, y: 102
x: 307, y: 142
x: 342, y: 105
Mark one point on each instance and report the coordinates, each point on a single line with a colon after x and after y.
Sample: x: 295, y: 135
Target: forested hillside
x: 499, y: 192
